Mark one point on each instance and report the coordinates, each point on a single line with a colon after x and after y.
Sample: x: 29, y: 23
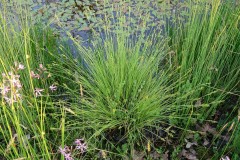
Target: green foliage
x: 130, y: 93
x: 123, y: 90
x: 25, y: 119
x: 207, y: 48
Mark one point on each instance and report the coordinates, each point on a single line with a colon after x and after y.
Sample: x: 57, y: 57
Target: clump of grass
x: 122, y: 89
x: 26, y: 104
x: 207, y: 48
x: 122, y: 92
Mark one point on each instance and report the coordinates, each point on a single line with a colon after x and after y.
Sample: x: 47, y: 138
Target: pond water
x: 79, y: 17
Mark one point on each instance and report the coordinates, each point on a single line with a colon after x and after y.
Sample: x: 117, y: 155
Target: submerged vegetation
x: 160, y: 84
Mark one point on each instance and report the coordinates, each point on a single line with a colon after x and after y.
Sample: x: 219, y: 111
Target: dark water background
x: 157, y: 22
x: 86, y: 35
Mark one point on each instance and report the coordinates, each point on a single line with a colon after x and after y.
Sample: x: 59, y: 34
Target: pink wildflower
x: 68, y: 156
x: 15, y: 80
x: 78, y: 141
x: 66, y: 152
x: 20, y: 66
x: 5, y: 90
x: 41, y: 67
x: 81, y: 145
x: 33, y: 75
x: 37, y: 76
x: 53, y: 87
x: 38, y: 91
x: 18, y: 85
x: 11, y: 88
x: 62, y: 150
x: 8, y: 100
x: 225, y: 158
